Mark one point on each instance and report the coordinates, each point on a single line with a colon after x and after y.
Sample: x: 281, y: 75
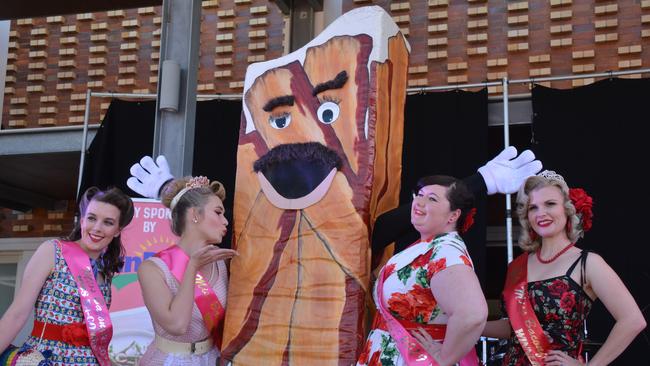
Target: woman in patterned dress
x: 558, y: 284
x: 49, y: 287
x: 183, y: 335
x: 430, y: 288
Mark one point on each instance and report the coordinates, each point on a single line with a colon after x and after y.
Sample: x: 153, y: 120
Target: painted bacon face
x: 319, y: 158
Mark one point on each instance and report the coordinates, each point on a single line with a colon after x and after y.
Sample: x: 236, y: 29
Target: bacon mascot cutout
x: 319, y: 158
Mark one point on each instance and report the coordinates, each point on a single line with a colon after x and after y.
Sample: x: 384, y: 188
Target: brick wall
x: 54, y: 60
x: 476, y: 40
x: 38, y: 222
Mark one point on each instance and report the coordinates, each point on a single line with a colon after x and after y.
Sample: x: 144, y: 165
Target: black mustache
x: 306, y: 152
x: 295, y: 170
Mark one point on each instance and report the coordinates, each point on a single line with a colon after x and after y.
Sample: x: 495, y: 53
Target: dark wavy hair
x: 113, y: 258
x: 458, y: 195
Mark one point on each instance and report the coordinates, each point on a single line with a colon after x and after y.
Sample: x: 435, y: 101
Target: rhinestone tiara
x: 196, y: 182
x: 551, y: 175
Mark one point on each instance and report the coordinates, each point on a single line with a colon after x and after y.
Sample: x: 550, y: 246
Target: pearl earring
x: 195, y: 220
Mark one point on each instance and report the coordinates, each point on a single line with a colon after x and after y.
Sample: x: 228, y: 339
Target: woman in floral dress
x: 430, y: 306
x: 51, y: 288
x: 548, y: 295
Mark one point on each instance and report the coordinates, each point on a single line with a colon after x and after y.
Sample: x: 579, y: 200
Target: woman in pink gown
x: 184, y: 287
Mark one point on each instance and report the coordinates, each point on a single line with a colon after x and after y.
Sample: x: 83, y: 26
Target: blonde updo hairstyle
x: 192, y: 198
x: 528, y: 243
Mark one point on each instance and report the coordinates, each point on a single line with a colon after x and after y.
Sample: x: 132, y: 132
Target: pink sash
x: 522, y: 317
x: 206, y: 300
x: 410, y: 349
x: 96, y: 316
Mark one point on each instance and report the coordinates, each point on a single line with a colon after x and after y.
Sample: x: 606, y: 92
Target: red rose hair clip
x: 469, y: 221
x: 583, y: 204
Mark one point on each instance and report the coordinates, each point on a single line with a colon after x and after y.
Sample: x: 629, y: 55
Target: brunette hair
x: 113, y: 258
x: 458, y: 195
x: 194, y: 197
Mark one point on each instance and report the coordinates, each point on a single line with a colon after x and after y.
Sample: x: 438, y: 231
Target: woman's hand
x: 210, y: 254
x: 465, y: 307
x: 432, y: 347
x: 559, y: 358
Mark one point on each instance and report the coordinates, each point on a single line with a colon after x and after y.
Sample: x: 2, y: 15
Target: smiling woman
x: 425, y: 316
x: 560, y: 282
x: 63, y: 278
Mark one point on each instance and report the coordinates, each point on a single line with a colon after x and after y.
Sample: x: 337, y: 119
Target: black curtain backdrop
x: 126, y: 135
x: 593, y: 136
x: 216, y: 136
x: 446, y: 133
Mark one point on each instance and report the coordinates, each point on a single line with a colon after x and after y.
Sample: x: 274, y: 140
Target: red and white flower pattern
x: 408, y: 294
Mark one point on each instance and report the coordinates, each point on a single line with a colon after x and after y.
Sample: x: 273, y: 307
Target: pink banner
x: 148, y: 233
x: 410, y: 349
x: 412, y: 352
x: 98, y: 323
x: 204, y: 296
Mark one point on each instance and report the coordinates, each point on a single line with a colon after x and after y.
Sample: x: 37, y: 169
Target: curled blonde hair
x: 526, y: 242
x: 195, y: 197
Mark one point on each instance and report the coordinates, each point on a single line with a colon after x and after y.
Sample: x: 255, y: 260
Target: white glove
x: 148, y: 177
x: 507, y: 171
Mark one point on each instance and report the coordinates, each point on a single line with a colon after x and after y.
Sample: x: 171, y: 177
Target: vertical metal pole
x: 484, y: 350
x: 506, y: 142
x: 174, y: 131
x: 5, y: 26
x: 84, y: 139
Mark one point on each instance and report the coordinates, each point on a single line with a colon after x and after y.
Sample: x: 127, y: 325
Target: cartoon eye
x: 328, y: 112
x: 281, y: 121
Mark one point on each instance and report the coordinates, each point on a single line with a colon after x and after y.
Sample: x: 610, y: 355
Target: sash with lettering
x: 96, y: 316
x: 410, y: 349
x: 206, y: 300
x: 522, y: 316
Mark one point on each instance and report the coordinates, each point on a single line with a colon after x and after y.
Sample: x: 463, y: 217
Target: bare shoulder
x: 40, y: 265
x: 598, y: 271
x: 47, y: 247
x: 454, y: 274
x: 595, y: 261
x: 44, y: 254
x: 149, y: 269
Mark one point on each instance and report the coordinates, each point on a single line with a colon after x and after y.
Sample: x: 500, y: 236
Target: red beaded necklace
x: 556, y: 256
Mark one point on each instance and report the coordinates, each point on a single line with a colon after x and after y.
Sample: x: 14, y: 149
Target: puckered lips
x: 296, y: 176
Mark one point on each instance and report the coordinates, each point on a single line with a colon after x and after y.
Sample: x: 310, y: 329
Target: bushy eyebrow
x: 276, y: 102
x: 336, y: 83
